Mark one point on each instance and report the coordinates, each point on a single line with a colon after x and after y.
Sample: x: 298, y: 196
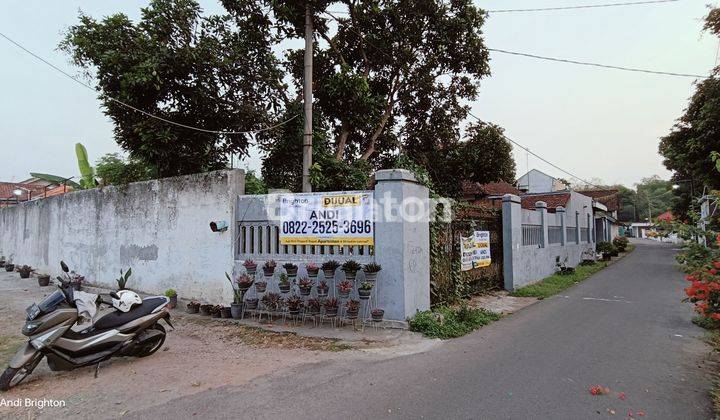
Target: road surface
x: 624, y: 329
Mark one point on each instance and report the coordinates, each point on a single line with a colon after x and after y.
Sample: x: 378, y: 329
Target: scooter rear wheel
x: 151, y: 347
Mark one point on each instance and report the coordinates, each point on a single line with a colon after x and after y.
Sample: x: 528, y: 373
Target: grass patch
x: 557, y: 283
x: 445, y: 322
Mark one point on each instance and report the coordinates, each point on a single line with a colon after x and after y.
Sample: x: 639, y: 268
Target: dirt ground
x: 199, y: 355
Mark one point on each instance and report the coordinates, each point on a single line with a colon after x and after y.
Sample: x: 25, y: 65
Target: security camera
x: 219, y: 226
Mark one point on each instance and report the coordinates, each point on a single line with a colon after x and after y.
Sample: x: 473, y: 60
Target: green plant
x: 366, y: 285
x: 122, y: 280
x: 445, y: 322
x: 621, y: 243
x: 240, y: 286
x: 171, y: 293
x: 87, y: 173
x: 330, y: 265
x: 372, y: 268
x: 270, y: 264
x: 558, y: 282
x: 351, y: 266
x: 284, y: 279
x: 604, y: 247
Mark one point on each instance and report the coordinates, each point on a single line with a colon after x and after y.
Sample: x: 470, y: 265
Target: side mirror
x: 219, y: 226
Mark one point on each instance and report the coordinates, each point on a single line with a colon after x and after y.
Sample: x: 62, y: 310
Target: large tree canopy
x: 214, y: 72
x: 687, y: 148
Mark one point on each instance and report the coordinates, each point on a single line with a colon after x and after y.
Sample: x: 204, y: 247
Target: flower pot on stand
x: 305, y: 291
x: 344, y: 294
x: 377, y: 315
x: 371, y: 277
x: 260, y: 287
x: 268, y: 271
x: 225, y: 312
x: 331, y: 313
x: 329, y: 273
x: 9, y: 267
x: 322, y: 293
x: 251, y: 304
x: 237, y: 309
x: 313, y: 272
x: 284, y: 287
x: 352, y: 314
x: 350, y: 275
x: 173, y: 302
x: 43, y: 280
x: 364, y: 294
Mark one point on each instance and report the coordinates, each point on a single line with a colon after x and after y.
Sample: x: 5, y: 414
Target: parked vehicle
x: 131, y: 330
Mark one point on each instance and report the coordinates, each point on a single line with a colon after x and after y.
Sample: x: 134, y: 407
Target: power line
x: 587, y: 6
x: 66, y: 74
x: 538, y: 156
x: 585, y: 63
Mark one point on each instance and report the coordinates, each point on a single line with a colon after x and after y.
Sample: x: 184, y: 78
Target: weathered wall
x: 159, y: 228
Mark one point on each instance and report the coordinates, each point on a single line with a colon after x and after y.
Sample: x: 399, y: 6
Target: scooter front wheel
x: 13, y: 376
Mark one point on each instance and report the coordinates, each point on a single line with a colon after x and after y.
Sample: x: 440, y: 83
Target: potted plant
x: 604, y: 248
x: 269, y: 268
x: 561, y: 267
x: 284, y: 283
x: 193, y: 307
x: 2, y: 261
x: 322, y: 289
x: 172, y: 294
x: 272, y: 301
x: 352, y: 308
x: 312, y: 270
x: 331, y: 307
x: 305, y: 285
x: 251, y: 303
x: 206, y: 309
x: 365, y: 290
x: 588, y: 257
x: 240, y: 285
x: 122, y: 280
x: 329, y: 267
x: 377, y: 314
x: 371, y: 271
x: 294, y: 304
x: 350, y: 267
x: 25, y: 271
x: 313, y: 307
x: 291, y: 269
x: 215, y: 311
x: 260, y: 286
x: 9, y: 266
x: 344, y: 289
x: 250, y: 267
x: 225, y: 312
x: 621, y: 243
x: 75, y: 280
x: 43, y: 280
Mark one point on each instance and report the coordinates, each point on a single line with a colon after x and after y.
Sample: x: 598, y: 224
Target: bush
x: 604, y: 247
x: 621, y: 243
x: 558, y: 282
x: 445, y: 322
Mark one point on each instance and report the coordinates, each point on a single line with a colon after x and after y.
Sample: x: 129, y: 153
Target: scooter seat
x: 118, y: 318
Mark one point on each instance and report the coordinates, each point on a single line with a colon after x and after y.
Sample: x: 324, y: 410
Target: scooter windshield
x: 52, y: 301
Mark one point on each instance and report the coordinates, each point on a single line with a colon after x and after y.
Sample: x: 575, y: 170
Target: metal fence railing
x: 531, y: 235
x: 571, y: 234
x: 584, y: 235
x: 555, y: 235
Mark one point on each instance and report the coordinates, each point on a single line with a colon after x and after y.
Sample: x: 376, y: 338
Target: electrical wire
x: 526, y: 149
x: 587, y: 6
x: 165, y: 120
x: 585, y: 63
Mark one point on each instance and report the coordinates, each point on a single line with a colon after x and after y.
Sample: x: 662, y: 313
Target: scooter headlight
x: 30, y: 327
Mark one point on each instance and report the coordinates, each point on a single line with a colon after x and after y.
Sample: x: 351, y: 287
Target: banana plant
x: 87, y: 172
x: 55, y: 179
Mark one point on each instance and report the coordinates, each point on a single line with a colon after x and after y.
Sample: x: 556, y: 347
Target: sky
x: 595, y: 123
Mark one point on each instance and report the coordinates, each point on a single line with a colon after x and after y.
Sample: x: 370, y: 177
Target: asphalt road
x: 624, y: 329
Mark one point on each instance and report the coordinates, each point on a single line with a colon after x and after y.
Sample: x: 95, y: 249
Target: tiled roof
x: 491, y: 188
x: 553, y: 200
x: 7, y: 188
x: 610, y: 198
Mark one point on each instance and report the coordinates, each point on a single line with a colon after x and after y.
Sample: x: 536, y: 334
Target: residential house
x: 12, y: 193
x: 489, y: 194
x: 539, y: 182
x: 607, y: 206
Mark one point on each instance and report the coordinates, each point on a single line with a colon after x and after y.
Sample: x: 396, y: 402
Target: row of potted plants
x: 350, y: 267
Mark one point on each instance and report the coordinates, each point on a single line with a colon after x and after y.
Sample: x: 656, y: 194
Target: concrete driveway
x: 625, y: 330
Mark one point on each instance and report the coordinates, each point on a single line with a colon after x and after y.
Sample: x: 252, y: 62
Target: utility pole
x: 308, y: 99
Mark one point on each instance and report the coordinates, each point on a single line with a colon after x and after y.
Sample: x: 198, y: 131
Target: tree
x: 389, y: 77
x: 688, y: 147
x: 214, y: 72
x: 115, y: 170
x: 654, y: 197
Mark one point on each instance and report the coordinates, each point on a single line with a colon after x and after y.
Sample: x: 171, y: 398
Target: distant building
x: 12, y: 193
x: 539, y: 182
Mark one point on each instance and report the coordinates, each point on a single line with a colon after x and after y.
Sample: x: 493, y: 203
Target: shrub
x: 604, y: 247
x: 621, y: 243
x: 445, y: 322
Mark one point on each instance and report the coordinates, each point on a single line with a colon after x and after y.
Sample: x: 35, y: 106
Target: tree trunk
x: 342, y: 140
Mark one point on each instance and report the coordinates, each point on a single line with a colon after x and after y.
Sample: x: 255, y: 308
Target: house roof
x: 490, y: 188
x: 553, y: 200
x: 7, y: 188
x: 609, y: 197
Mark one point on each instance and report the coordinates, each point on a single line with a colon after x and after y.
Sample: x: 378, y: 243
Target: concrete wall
x: 159, y: 228
x: 523, y: 265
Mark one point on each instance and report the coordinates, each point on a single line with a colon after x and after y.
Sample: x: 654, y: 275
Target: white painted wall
x: 159, y: 228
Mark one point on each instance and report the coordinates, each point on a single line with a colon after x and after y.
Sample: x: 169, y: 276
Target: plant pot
x: 237, y: 309
x: 305, y: 291
x: 43, y: 280
x: 192, y: 309
x: 377, y: 317
x: 344, y: 295
x: 352, y: 314
x: 9, y: 267
x: 371, y: 277
x: 606, y: 256
x: 205, y: 309
x: 294, y: 312
x: 225, y: 312
x: 260, y: 288
x: 291, y: 272
x: 251, y: 271
x: 268, y: 271
x: 322, y: 293
x: 313, y: 273
x: 251, y: 303
x: 329, y: 273
x: 173, y: 302
x: 216, y: 314
x: 285, y: 288
x: 313, y: 312
x: 331, y: 313
x: 364, y: 294
x: 350, y: 275
x: 2, y: 263
x: 24, y: 274
x: 614, y: 254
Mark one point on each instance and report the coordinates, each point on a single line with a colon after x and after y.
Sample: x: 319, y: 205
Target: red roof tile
x: 553, y: 200
x: 7, y: 188
x: 610, y: 197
